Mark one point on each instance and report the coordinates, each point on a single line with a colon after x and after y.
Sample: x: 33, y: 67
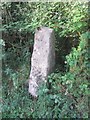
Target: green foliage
x: 2, y: 43
x: 65, y: 95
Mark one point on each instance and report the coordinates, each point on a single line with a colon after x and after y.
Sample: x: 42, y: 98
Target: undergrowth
x: 65, y: 95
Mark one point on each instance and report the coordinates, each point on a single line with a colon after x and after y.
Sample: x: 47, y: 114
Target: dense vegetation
x: 65, y: 95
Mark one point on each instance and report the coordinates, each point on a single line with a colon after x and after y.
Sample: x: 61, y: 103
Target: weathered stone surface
x: 43, y: 58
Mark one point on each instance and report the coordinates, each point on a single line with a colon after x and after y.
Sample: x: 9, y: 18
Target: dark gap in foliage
x: 63, y: 47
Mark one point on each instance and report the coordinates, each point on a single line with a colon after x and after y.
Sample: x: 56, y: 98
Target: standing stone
x: 43, y: 58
